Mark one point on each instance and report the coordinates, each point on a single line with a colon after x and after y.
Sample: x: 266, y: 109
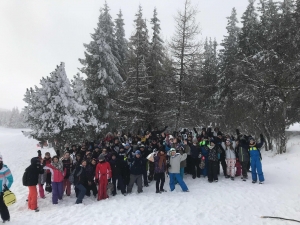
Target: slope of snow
x: 294, y: 127
x: 225, y: 202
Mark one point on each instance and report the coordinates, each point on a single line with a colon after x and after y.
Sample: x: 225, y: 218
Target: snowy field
x: 225, y: 202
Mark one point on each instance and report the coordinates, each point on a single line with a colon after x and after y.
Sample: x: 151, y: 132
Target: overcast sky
x: 36, y: 35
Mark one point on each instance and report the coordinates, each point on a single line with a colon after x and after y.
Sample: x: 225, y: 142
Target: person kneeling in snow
x: 174, y: 170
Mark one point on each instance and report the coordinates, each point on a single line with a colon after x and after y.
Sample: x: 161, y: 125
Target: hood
x: 34, y: 160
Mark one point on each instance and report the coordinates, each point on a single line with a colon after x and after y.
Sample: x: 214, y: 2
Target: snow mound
x: 225, y: 202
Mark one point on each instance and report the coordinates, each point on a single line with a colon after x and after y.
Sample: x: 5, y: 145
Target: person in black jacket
x: 90, y: 172
x: 195, y: 160
x: 33, y: 172
x: 144, y: 154
x: 80, y: 181
x: 117, y: 168
x: 218, y: 140
x: 136, y: 172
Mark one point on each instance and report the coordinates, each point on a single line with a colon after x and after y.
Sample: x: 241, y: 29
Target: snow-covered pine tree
x: 52, y: 113
x: 122, y: 44
x: 228, y: 73
x: 134, y: 101
x: 100, y: 66
x: 186, y: 52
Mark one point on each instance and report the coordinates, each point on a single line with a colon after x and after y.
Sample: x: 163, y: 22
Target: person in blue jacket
x: 6, y: 180
x: 255, y: 159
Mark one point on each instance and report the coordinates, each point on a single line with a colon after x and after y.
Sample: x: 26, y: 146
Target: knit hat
x: 212, y: 141
x: 195, y: 140
x: 219, y: 133
x: 127, y: 145
x: 171, y: 137
x: 101, y: 157
x: 251, y: 138
x: 1, y: 159
x: 138, y: 152
x: 142, y: 146
x: 172, y: 150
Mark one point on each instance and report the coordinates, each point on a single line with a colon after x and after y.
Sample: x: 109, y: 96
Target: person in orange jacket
x: 102, y: 175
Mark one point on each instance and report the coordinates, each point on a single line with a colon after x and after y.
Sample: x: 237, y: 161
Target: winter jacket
x: 117, y: 167
x: 175, y: 162
x: 33, y: 171
x: 213, y: 153
x: 46, y: 162
x: 230, y: 152
x: 242, y: 153
x: 90, y: 171
x: 80, y: 176
x: 6, y: 177
x: 95, y: 154
x: 68, y: 167
x: 137, y: 165
x: 56, y: 175
x: 103, y: 169
x: 157, y: 169
x: 195, y: 151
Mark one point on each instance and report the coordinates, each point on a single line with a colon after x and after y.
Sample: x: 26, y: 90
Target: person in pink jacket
x: 57, y: 177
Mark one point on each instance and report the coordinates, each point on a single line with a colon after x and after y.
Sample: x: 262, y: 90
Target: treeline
x: 251, y: 83
x: 11, y: 118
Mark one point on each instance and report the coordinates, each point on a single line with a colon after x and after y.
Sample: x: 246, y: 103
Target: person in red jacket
x: 56, y: 169
x: 102, y: 175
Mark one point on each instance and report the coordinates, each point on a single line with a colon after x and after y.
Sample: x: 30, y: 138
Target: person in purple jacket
x: 160, y: 166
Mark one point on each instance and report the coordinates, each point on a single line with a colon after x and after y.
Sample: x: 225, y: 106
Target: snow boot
x: 158, y: 192
x: 254, y: 181
x: 37, y: 210
x: 261, y: 182
x: 163, y: 190
x: 216, y: 180
x: 232, y: 178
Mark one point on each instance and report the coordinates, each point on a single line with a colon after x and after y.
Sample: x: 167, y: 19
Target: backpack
x: 25, y: 178
x: 71, y: 177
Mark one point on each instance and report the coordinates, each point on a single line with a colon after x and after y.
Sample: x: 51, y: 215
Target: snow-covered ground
x: 294, y: 127
x: 225, y: 202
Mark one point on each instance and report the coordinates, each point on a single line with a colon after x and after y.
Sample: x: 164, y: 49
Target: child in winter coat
x: 160, y: 163
x: 57, y: 177
x: 42, y: 179
x: 102, y: 175
x: 174, y: 170
x: 229, y: 147
x: 213, y: 161
x: 68, y: 168
x: 242, y: 153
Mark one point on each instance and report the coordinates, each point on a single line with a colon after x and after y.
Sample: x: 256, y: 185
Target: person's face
x: 47, y: 156
x: 116, y: 141
x: 171, y: 140
x: 212, y: 144
x: 74, y: 148
x: 227, y: 142
x: 142, y: 149
x: 83, y: 163
x: 67, y: 156
x: 251, y: 141
x: 162, y: 152
x: 104, y: 151
x: 113, y: 157
x: 77, y: 156
x: 55, y: 160
x: 138, y: 155
x: 173, y: 153
x: 175, y: 141
x: 97, y: 149
x: 94, y: 162
x: 121, y: 149
x: 220, y: 136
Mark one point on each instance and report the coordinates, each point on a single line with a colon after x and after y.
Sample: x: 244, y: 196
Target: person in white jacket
x: 229, y: 147
x: 174, y: 170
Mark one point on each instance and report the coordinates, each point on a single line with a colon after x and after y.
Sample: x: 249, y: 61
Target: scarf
x: 58, y: 165
x: 162, y: 160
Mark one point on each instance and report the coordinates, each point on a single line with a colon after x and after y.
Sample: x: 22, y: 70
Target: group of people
x: 125, y: 160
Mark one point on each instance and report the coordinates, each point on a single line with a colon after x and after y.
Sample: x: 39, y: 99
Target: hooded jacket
x: 33, y: 171
x: 175, y: 162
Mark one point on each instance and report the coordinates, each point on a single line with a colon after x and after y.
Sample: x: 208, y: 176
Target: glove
x: 261, y: 137
x: 39, y: 153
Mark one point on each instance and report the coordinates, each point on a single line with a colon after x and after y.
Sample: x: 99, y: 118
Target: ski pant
x: 102, y: 187
x: 118, y: 178
x: 238, y: 168
x: 91, y: 187
x: 256, y: 166
x: 3, y: 209
x: 81, y: 192
x: 177, y: 176
x: 145, y: 177
x: 212, y: 170
x: 67, y: 187
x: 57, y: 191
x: 195, y: 164
x: 224, y: 166
x: 133, y: 179
x: 32, y: 197
x: 231, y: 167
x: 151, y: 170
x: 160, y: 179
x: 41, y: 191
x: 188, y: 168
x: 48, y: 187
x: 245, y: 168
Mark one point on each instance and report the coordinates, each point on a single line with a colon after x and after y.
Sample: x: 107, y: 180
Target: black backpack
x: 25, y: 178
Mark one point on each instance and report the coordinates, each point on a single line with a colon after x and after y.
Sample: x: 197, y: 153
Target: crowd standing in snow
x: 117, y: 162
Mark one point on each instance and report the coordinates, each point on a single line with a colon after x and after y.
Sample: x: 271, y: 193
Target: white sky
x: 36, y: 35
